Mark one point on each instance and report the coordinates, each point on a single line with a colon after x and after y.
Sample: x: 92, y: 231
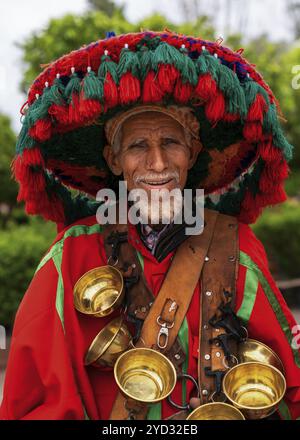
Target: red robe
x: 46, y: 377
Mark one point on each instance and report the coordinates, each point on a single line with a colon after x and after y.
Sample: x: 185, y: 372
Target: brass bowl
x: 216, y: 411
x: 99, y: 291
x: 254, y: 388
x: 255, y: 351
x: 145, y: 375
x: 109, y: 344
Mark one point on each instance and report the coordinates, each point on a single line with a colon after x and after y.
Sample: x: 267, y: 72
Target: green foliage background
x: 23, y: 241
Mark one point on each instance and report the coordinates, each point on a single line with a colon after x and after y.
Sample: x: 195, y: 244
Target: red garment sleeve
x: 39, y: 382
x: 271, y: 320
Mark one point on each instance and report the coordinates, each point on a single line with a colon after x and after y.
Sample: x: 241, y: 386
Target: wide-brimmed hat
x: 243, y: 163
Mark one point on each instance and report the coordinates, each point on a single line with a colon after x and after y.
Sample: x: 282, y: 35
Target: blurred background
x: 34, y: 33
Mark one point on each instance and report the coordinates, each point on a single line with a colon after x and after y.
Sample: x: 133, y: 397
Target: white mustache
x: 153, y: 177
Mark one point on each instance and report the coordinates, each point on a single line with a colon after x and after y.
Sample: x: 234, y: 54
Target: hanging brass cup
x: 109, y: 344
x: 251, y: 350
x: 99, y: 291
x: 254, y: 388
x: 216, y: 411
x: 145, y: 375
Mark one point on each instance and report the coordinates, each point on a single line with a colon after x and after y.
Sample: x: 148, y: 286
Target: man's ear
x: 195, y: 148
x: 112, y: 160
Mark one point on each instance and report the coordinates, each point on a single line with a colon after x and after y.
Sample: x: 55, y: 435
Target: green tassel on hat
x: 128, y: 62
x: 229, y: 84
x: 188, y: 70
x: 207, y: 63
x: 56, y: 92
x: 73, y: 86
x: 251, y: 89
x: 92, y: 88
x: 107, y: 66
x: 39, y: 109
x: 24, y: 140
x: 166, y: 54
x: 145, y: 57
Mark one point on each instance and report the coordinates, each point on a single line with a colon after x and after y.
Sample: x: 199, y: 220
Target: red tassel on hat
x: 49, y: 209
x: 206, y: 87
x: 34, y: 185
x: 215, y: 108
x: 167, y: 75
x: 20, y: 171
x: 60, y: 113
x: 252, y: 131
x: 270, y: 177
x: 89, y: 108
x: 74, y: 113
x: 231, y: 117
x: 257, y: 109
x: 21, y: 164
x: 32, y: 156
x: 110, y: 91
x: 129, y: 88
x: 41, y: 130
x: 268, y: 152
x: 278, y: 195
x: 151, y: 89
x: 182, y: 91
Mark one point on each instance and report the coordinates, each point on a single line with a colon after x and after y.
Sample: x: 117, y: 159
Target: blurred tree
x: 8, y: 187
x: 62, y: 35
x: 107, y: 6
x: 275, y: 62
x: 293, y: 10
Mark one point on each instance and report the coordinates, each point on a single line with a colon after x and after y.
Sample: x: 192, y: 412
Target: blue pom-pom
x: 109, y: 34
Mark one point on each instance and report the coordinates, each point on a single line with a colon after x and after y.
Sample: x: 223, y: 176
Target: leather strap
x: 218, y: 284
x: 179, y: 284
x: 139, y: 297
x: 178, y: 288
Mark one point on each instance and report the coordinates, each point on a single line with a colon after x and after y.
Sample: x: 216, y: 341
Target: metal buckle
x: 164, y: 331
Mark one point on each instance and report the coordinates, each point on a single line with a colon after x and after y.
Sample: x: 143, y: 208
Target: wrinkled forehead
x: 150, y: 123
x: 153, y: 117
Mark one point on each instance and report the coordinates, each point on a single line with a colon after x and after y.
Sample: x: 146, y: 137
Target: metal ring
x: 187, y: 405
x: 164, y: 324
x: 232, y: 356
x: 246, y: 332
x: 110, y: 258
x: 215, y: 393
x: 140, y: 339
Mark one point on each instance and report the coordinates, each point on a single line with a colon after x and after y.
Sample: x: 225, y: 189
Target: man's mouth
x: 157, y: 182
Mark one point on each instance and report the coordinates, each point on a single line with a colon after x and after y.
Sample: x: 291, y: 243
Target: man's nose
x: 157, y: 159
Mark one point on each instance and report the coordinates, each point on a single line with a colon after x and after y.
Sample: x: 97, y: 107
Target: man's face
x: 154, y: 153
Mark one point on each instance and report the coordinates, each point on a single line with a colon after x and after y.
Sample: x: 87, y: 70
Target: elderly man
x: 154, y: 97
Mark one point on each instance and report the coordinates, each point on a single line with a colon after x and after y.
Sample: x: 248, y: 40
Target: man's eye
x: 137, y: 145
x: 169, y: 141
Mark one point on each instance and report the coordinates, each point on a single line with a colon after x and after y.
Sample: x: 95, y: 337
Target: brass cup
x: 255, y: 388
x: 99, y: 291
x: 255, y: 351
x: 216, y: 411
x: 145, y: 375
x: 109, y: 344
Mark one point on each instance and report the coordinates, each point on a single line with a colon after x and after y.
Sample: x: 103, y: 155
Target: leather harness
x: 212, y: 258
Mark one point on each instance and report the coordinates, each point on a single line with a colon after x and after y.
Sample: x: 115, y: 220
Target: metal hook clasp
x: 163, y: 332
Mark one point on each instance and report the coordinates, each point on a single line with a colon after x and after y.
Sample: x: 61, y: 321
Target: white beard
x: 161, y: 208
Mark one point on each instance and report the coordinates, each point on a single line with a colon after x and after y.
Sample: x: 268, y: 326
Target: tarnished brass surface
x: 255, y: 351
x: 99, y: 291
x: 145, y: 375
x: 254, y: 388
x: 216, y: 411
x: 109, y: 344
